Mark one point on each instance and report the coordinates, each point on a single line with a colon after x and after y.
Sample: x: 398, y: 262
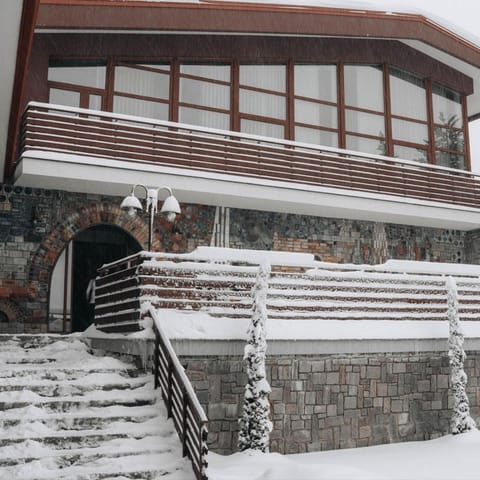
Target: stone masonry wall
x: 36, y: 225
x: 344, y: 241
x: 331, y: 402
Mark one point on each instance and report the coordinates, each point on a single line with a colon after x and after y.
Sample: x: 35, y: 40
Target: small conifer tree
x: 255, y: 425
x: 461, y: 419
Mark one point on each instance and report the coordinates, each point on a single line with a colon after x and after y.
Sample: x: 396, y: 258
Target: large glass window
x: 316, y: 110
x: 299, y: 101
x: 263, y: 99
x: 408, y: 100
x: 77, y: 84
x: 448, y: 128
x: 205, y: 95
x: 142, y: 90
x: 364, y: 108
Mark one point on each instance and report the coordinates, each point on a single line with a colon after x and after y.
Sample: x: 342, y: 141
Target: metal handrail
x: 182, y: 403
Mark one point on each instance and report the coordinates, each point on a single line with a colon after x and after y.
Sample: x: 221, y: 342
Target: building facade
x: 336, y: 132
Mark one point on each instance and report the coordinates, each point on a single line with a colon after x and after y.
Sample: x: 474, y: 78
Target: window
x: 364, y: 108
x: 316, y: 110
x: 263, y: 99
x: 142, y: 90
x: 77, y: 84
x: 448, y: 128
x: 408, y: 99
x: 299, y: 101
x: 205, y: 95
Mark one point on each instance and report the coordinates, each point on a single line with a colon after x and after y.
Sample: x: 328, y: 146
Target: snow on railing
x: 182, y: 403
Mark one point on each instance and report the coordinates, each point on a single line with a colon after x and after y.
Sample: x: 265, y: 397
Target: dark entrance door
x: 92, y: 248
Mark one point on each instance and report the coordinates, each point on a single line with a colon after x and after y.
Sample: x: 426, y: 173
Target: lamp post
x: 170, y: 206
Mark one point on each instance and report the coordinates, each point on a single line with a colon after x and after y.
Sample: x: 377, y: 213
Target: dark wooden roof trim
x: 232, y: 17
x: 24, y: 48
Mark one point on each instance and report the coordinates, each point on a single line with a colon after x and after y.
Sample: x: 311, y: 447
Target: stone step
x: 145, y: 467
x: 30, y: 450
x: 87, y: 383
x: 70, y: 439
x: 50, y: 372
x: 92, y: 419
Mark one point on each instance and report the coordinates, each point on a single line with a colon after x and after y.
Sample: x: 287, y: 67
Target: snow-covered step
x: 68, y: 414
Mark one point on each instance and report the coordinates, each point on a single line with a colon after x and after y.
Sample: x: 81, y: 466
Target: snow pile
x: 446, y: 458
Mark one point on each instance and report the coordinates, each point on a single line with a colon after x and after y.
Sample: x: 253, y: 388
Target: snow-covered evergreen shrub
x: 461, y: 419
x: 255, y: 425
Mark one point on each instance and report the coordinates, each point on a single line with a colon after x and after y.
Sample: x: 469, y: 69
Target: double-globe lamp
x: 170, y: 207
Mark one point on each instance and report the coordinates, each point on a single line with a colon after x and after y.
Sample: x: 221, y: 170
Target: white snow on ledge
x: 201, y: 326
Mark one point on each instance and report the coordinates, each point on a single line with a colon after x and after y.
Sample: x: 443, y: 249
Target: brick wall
x: 331, y: 402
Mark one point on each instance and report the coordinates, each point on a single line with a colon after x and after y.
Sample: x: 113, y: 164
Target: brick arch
x: 91, y: 215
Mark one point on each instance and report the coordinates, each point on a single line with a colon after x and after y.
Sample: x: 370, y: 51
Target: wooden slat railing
x: 137, y: 139
x: 182, y: 404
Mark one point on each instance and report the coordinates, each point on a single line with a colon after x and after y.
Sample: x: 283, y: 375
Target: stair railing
x: 182, y: 403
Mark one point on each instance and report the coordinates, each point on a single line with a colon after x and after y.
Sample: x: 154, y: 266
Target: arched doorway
x: 71, y: 299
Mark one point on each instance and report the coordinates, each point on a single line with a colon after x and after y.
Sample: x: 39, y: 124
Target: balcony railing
x: 106, y: 135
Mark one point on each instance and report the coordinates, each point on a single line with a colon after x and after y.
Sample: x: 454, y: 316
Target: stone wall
x: 37, y: 224
x: 336, y: 401
x: 344, y: 241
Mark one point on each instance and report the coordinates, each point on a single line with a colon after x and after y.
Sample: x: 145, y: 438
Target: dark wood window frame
x: 289, y: 123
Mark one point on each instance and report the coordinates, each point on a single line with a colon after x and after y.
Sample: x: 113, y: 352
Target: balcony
x: 99, y: 152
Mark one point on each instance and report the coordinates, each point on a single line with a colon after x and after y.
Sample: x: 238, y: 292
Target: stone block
x: 397, y: 406
x: 423, y: 386
x: 332, y: 378
x: 350, y: 403
x: 331, y: 410
x: 373, y: 372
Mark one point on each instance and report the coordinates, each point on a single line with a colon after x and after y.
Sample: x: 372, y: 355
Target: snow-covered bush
x: 255, y: 425
x: 461, y: 419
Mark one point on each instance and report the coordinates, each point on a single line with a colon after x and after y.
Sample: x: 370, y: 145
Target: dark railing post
x: 156, y: 360
x: 170, y: 387
x: 184, y: 423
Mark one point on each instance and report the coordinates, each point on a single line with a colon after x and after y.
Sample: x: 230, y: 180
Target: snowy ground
x: 446, y: 458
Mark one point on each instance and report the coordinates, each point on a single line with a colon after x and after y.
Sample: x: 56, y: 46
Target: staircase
x: 68, y: 414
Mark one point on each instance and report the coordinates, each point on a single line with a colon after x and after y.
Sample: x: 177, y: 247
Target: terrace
x: 97, y: 152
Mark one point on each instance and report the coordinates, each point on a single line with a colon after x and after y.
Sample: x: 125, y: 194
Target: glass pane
x: 88, y: 76
x: 407, y: 153
x: 367, y: 123
x: 269, y: 77
x: 409, y: 131
x: 262, y: 128
x: 449, y: 139
x: 447, y: 107
x: 141, y: 108
x: 204, y: 118
x: 316, y: 81
x: 318, y: 137
x: 450, y: 160
x: 366, y: 145
x: 64, y: 97
x: 95, y: 102
x: 197, y: 92
x: 264, y: 104
x: 315, y: 114
x: 408, y: 95
x: 215, y: 72
x: 364, y: 86
x: 141, y: 82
